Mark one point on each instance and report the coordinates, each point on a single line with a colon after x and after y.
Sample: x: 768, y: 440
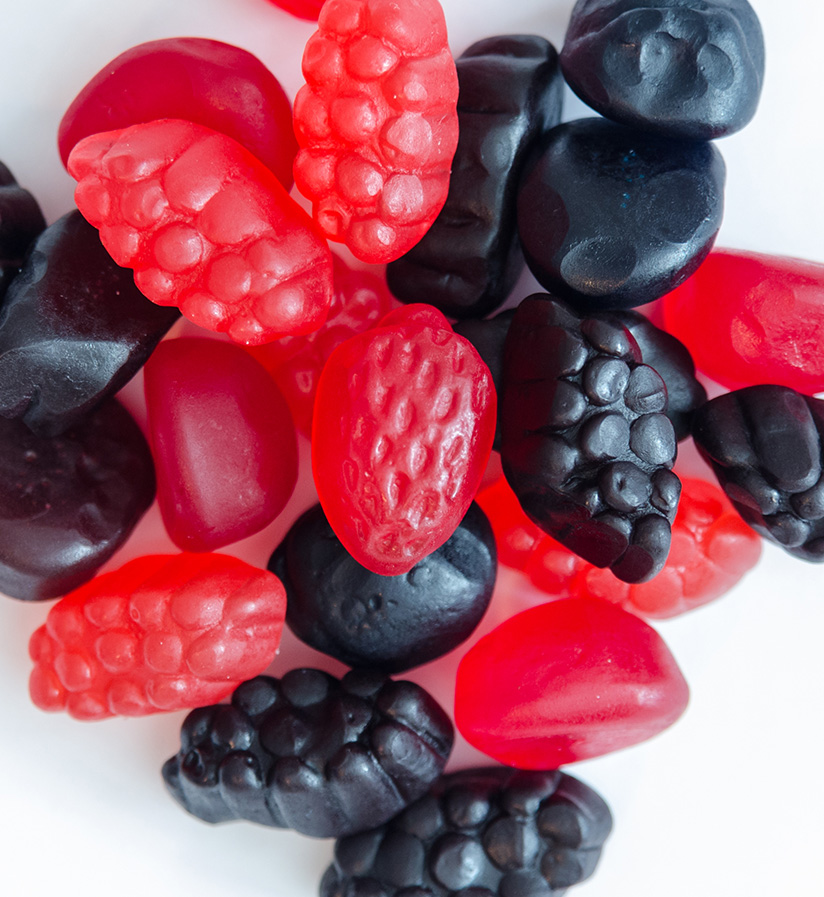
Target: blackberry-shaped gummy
x: 765, y: 446
x: 491, y: 832
x: 326, y: 757
x: 20, y: 222
x: 585, y: 441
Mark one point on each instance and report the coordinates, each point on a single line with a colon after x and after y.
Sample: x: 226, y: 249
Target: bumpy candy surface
x: 686, y: 68
x: 750, y: 318
x: 404, y: 423
x: 610, y: 217
x: 765, y: 445
x: 489, y: 832
x: 585, y: 441
x: 68, y: 502
x: 377, y: 123
x: 391, y: 623
x: 164, y: 632
x: 204, y: 81
x: 566, y: 681
x: 223, y: 441
x: 469, y: 260
x: 20, y: 222
x: 326, y: 757
x: 206, y: 227
x: 74, y: 329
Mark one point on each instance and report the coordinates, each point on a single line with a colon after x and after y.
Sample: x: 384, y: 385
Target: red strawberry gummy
x: 404, y: 423
x: 377, y: 123
x: 223, y: 441
x: 206, y: 227
x: 566, y: 681
x: 161, y: 633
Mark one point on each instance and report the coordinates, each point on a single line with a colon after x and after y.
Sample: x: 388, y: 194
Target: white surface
x: 727, y: 802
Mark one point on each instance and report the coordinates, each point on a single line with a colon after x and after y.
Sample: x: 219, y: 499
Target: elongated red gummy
x: 303, y: 9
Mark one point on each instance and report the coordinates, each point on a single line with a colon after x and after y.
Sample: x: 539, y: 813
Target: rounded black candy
x: 20, y: 222
x: 391, y: 623
x: 686, y: 68
x: 610, y: 217
x: 326, y: 757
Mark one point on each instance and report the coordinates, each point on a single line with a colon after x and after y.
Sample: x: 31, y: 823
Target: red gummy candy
x: 404, y: 423
x: 223, y: 441
x: 204, y: 81
x: 303, y: 9
x: 161, y: 633
x: 377, y: 123
x: 566, y: 681
x: 749, y: 319
x: 206, y: 227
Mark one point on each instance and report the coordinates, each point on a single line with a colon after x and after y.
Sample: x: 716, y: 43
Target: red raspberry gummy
x: 404, y: 423
x: 223, y: 442
x: 377, y: 123
x: 206, y: 227
x: 161, y: 633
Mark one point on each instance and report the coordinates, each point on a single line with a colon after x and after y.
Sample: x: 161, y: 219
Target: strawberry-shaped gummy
x: 377, y: 123
x: 164, y: 632
x: 206, y: 227
x: 404, y: 423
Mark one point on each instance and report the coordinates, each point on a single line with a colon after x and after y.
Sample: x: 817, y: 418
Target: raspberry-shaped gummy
x: 206, y: 227
x: 377, y: 123
x: 164, y: 632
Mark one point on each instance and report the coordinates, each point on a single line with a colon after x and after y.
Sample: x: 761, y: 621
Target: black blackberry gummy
x: 685, y: 68
x: 493, y: 832
x: 20, y: 222
x: 610, y: 217
x: 326, y: 757
x: 585, y: 441
x: 391, y: 623
x: 510, y: 94
x: 765, y: 445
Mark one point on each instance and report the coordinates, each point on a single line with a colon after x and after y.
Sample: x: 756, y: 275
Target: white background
x: 727, y: 802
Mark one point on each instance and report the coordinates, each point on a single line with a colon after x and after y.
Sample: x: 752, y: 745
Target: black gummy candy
x: 20, y: 222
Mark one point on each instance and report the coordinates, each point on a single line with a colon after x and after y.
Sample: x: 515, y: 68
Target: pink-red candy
x: 164, y: 632
x: 377, y: 123
x: 749, y: 318
x: 206, y: 227
x: 204, y: 81
x: 303, y: 9
x: 223, y: 442
x: 566, y: 681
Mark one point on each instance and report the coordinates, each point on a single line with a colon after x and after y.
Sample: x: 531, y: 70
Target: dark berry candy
x: 469, y: 260
x: 765, y: 446
x: 74, y: 329
x: 686, y: 68
x: 326, y: 757
x: 610, y: 217
x: 489, y: 832
x: 585, y: 441
x: 391, y: 623
x: 67, y: 503
x: 20, y: 222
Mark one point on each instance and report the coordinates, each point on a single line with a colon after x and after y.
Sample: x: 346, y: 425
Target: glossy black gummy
x: 493, y: 832
x: 390, y: 623
x: 326, y: 757
x: 20, y: 222
x: 765, y: 445
x: 67, y: 503
x: 74, y: 329
x: 467, y: 263
x: 610, y: 217
x: 585, y: 441
x: 685, y: 68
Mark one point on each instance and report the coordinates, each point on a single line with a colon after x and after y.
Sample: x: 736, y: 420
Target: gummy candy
x: 303, y: 9
x: 20, y: 222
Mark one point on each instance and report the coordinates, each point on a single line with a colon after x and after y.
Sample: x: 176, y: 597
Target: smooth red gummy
x: 303, y: 9
x: 223, y: 442
x: 404, y: 423
x: 359, y: 301
x: 204, y: 81
x: 566, y: 681
x: 377, y: 123
x: 164, y: 632
x: 749, y: 318
x: 206, y: 227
